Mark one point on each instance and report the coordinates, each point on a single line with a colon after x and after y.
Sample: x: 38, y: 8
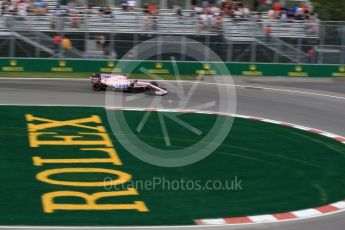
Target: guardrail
x: 162, y: 68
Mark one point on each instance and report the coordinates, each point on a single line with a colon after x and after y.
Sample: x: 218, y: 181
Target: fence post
x: 207, y: 47
x: 188, y: 5
x: 159, y: 47
x: 37, y: 50
x: 229, y: 52
x: 342, y: 61
x: 12, y: 40
x: 253, y: 51
x: 87, y: 35
x: 112, y: 38
x: 299, y: 48
x: 62, y: 35
x: 183, y: 48
x: 322, y: 43
x: 277, y: 47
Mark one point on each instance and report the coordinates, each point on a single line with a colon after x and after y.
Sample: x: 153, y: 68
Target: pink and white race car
x: 121, y: 83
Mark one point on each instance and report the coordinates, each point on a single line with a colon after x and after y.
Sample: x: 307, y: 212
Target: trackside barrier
x: 166, y: 67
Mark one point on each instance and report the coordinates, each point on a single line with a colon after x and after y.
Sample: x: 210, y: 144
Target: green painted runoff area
x: 277, y: 168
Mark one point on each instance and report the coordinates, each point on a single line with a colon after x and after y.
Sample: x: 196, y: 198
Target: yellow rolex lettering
x: 113, y: 158
x: 122, y: 177
x: 88, y: 140
x: 68, y: 139
x: 49, y: 206
x: 79, y: 123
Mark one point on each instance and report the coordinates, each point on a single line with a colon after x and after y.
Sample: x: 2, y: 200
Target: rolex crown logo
x: 111, y: 64
x: 13, y: 63
x: 298, y: 68
x: 62, y: 63
x: 159, y: 65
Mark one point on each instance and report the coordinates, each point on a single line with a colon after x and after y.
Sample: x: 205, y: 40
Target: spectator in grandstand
x: 178, y: 10
x: 258, y: 18
x: 283, y: 15
x: 312, y: 27
x: 59, y: 12
x: 313, y: 16
x: 150, y: 21
x: 246, y: 11
x: 100, y: 41
x: 23, y: 8
x: 71, y: 6
x: 74, y: 18
x: 218, y: 23
x: 197, y: 11
x: 106, y: 12
x: 59, y: 18
x: 238, y: 12
x: 154, y: 20
x: 268, y: 32
x: 204, y: 4
x: 277, y: 7
x: 106, y: 48
x: 212, y: 2
x: 4, y: 6
x: 152, y: 8
x: 241, y: 12
x: 227, y: 8
x: 201, y: 22
x: 132, y: 4
x: 62, y: 2
x: 147, y: 20
x: 214, y: 10
x: 290, y: 12
x: 40, y: 7
x: 256, y: 5
x: 271, y: 15
x: 146, y: 8
x: 124, y: 5
x: 311, y: 55
x: 13, y: 7
x: 209, y: 21
x: 194, y: 3
x: 66, y: 43
x: 57, y: 39
x: 299, y: 14
x: 88, y: 9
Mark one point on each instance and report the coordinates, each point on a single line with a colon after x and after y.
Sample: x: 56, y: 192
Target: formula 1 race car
x: 121, y: 83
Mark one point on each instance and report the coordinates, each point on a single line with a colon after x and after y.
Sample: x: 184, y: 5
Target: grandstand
x: 236, y: 40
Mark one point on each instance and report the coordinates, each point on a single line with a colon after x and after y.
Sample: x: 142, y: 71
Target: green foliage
x: 330, y: 10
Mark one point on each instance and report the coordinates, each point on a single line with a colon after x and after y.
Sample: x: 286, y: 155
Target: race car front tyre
x: 128, y: 90
x: 97, y: 86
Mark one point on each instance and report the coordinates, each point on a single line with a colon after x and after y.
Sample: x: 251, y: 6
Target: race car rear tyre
x: 128, y: 90
x: 154, y: 83
x: 97, y: 86
x: 147, y: 91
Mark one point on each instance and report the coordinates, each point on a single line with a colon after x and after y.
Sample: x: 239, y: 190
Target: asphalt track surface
x: 315, y: 103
